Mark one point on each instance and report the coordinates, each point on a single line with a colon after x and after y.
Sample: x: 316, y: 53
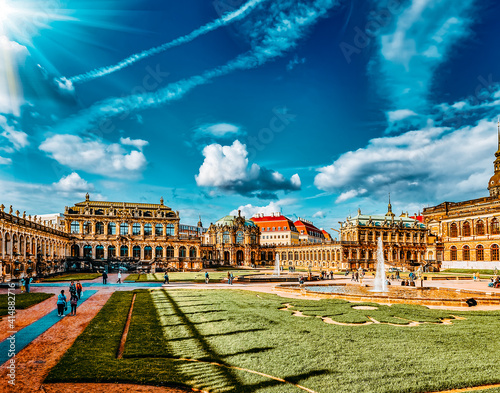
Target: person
x: 397, y: 274
x: 79, y: 289
x: 207, y: 278
x: 104, y: 277
x: 352, y: 277
x: 232, y: 278
x: 27, y: 282
x: 165, y: 278
x: 119, y: 281
x: 22, y: 284
x: 72, y: 289
x: 229, y: 278
x: 73, y: 302
x: 61, y: 304
x: 474, y: 276
x: 301, y: 280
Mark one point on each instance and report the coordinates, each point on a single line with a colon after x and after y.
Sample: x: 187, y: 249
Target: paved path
x: 26, y: 335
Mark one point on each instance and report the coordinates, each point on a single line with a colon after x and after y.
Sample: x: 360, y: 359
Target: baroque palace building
x: 468, y: 232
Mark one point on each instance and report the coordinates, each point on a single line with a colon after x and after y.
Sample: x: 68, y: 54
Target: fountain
x: 277, y: 266
x: 380, y: 283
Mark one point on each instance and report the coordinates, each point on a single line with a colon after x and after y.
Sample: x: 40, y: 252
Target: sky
x: 314, y: 108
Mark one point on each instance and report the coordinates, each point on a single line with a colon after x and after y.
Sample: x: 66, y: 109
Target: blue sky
x: 311, y: 107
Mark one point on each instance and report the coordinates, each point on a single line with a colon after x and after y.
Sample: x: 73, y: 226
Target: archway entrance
x: 239, y: 257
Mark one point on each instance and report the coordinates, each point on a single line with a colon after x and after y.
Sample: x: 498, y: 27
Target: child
x: 73, y: 302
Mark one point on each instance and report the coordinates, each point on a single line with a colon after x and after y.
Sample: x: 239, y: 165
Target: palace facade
x: 468, y: 233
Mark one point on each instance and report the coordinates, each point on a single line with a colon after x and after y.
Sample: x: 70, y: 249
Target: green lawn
x: 188, y: 276
x: 469, y: 271
x: 74, y: 277
x: 23, y: 300
x: 247, y: 330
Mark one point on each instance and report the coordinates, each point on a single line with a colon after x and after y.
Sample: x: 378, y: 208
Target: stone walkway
x: 50, y: 337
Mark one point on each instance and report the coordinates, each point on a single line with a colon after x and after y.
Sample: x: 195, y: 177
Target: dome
x: 494, y: 181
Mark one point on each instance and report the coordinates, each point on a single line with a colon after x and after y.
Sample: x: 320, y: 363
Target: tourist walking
x: 61, y: 304
x: 165, y: 278
x: 207, y: 278
x: 23, y: 284
x: 27, y: 282
x: 79, y: 289
x: 104, y: 277
x: 119, y: 281
x: 229, y: 278
x: 73, y: 302
x: 72, y: 289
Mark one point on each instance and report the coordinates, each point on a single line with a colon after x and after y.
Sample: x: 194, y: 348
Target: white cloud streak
x: 225, y: 20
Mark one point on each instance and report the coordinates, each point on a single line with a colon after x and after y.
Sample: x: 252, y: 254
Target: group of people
x: 105, y: 277
x: 495, y: 282
x: 75, y: 292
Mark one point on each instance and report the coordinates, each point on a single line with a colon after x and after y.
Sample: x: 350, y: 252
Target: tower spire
x: 389, y: 208
x: 494, y: 183
x: 498, y: 128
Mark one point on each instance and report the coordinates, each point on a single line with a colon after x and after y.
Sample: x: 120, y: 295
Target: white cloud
x: 250, y: 210
x: 5, y: 161
x: 218, y: 130
x: 319, y: 214
x: 422, y: 166
x: 17, y: 139
x: 399, y: 115
x: 294, y: 62
x: 11, y: 93
x: 226, y: 168
x: 94, y: 156
x: 64, y: 86
x: 412, y: 47
x: 73, y: 184
x: 137, y: 143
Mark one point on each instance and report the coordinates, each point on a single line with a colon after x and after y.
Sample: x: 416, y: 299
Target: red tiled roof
x: 307, y: 226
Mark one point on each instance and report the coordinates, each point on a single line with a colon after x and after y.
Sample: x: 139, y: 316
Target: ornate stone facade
x: 28, y: 246
x: 234, y: 241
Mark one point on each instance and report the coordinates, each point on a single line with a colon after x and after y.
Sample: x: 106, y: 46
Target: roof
x: 379, y: 220
x: 326, y: 235
x: 308, y: 226
x: 262, y: 221
x: 229, y: 221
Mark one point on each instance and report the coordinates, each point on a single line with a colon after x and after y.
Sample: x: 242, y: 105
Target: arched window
x: 170, y: 252
x: 99, y: 228
x: 148, y: 252
x: 148, y: 230
x: 453, y: 253
x: 479, y: 253
x: 158, y: 230
x: 466, y: 228
x: 494, y: 252
x: 111, y: 251
x: 99, y: 252
x: 170, y: 230
x: 87, y: 251
x: 158, y: 252
x: 466, y: 253
x: 86, y: 227
x: 111, y: 228
x: 239, y: 237
x: 75, y: 227
x: 480, y: 228
x: 182, y: 252
x: 453, y: 230
x: 192, y: 252
x: 124, y: 251
x: 136, y: 229
x: 225, y: 237
x: 495, y: 227
x: 75, y: 250
x: 136, y: 252
x: 123, y: 228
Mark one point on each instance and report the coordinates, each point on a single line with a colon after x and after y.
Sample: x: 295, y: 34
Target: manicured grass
x: 23, y: 300
x: 469, y: 271
x: 188, y: 276
x: 247, y: 330
x: 74, y: 277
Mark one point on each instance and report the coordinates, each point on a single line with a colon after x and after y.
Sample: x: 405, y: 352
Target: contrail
x: 278, y: 38
x: 222, y: 21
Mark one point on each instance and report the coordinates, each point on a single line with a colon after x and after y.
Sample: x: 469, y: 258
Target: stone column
x: 142, y: 247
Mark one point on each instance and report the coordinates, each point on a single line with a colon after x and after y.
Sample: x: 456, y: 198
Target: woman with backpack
x: 61, y: 304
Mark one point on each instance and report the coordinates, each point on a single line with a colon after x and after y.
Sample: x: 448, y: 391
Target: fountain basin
x: 396, y: 294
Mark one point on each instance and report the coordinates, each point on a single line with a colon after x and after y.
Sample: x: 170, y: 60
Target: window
x: 111, y: 228
x: 279, y: 228
x: 158, y: 230
x: 111, y: 251
x: 453, y: 253
x: 466, y: 229
x: 170, y: 230
x: 274, y: 228
x: 182, y: 252
x: 170, y: 252
x: 148, y: 230
x: 495, y: 228
x: 148, y: 252
x: 466, y: 253
x: 123, y: 229
x: 479, y: 253
x: 284, y: 228
x: 192, y: 252
x: 480, y: 228
x: 99, y: 228
x: 158, y: 252
x: 453, y: 230
x: 136, y: 229
x: 75, y: 227
x: 124, y: 251
x: 86, y: 227
x: 225, y: 237
x: 494, y: 252
x: 136, y: 252
x: 239, y: 237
